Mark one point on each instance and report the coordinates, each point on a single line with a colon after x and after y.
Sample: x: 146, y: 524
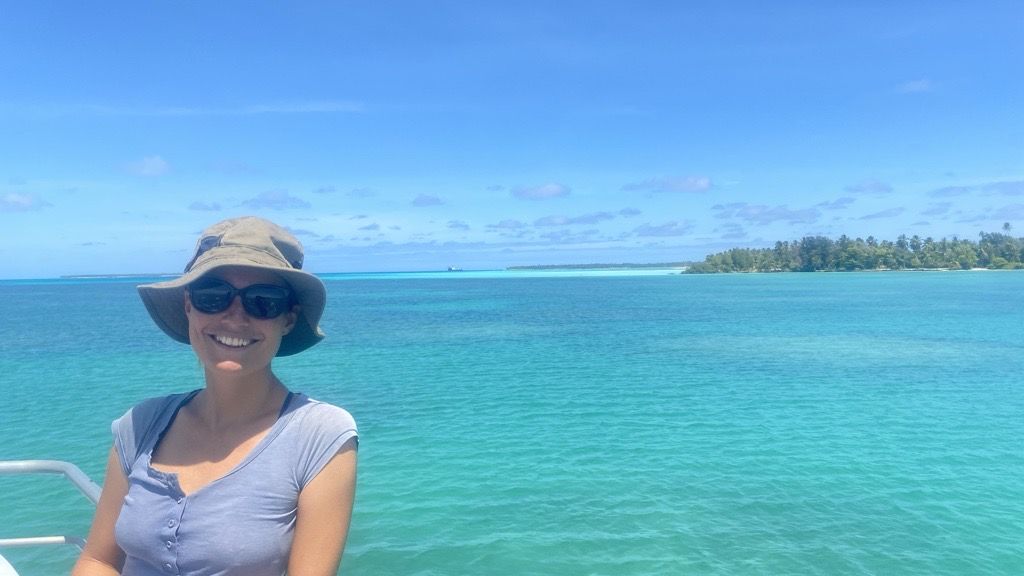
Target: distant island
x: 993, y: 250
x: 620, y: 266
x: 110, y: 276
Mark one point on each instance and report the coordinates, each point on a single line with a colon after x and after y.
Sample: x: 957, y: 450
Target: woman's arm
x: 101, y: 556
x: 321, y: 524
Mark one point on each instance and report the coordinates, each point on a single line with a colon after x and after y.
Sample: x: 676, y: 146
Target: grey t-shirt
x: 239, y: 524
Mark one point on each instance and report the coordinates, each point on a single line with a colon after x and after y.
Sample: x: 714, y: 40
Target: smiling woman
x: 244, y: 464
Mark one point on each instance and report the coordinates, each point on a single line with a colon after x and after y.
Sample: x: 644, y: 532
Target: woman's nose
x: 236, y: 309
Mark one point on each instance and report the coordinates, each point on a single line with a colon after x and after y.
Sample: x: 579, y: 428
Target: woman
x: 243, y: 476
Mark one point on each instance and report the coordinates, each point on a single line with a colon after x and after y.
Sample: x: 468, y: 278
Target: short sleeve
x: 137, y: 430
x: 325, y: 429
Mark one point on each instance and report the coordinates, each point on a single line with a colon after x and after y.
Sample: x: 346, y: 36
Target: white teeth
x: 233, y: 342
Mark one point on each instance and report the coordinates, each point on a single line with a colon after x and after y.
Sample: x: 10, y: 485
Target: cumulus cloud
x: 890, y: 213
x: 629, y: 212
x: 496, y: 188
x: 149, y: 166
x: 837, y: 204
x: 569, y: 237
x: 732, y: 232
x: 671, y: 228
x: 427, y: 200
x: 370, y: 227
x: 1002, y: 188
x: 303, y: 232
x: 915, y: 86
x: 950, y: 191
x: 874, y: 187
x: 1010, y: 188
x: 276, y: 200
x: 762, y: 214
x: 457, y: 225
x: 507, y: 225
x: 1009, y: 212
x: 325, y: 190
x: 361, y: 193
x: 684, y: 184
x: 542, y: 192
x: 13, y: 202
x: 937, y: 209
x: 593, y: 218
x: 204, y: 206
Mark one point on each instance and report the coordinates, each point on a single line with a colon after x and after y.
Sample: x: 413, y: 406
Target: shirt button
x: 170, y: 523
x: 169, y: 544
x: 168, y: 567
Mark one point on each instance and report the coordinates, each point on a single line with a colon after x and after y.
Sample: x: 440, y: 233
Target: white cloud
x: 593, y: 218
x: 672, y: 228
x: 149, y: 166
x: 890, y: 213
x: 937, y: 209
x: 507, y: 225
x: 13, y: 202
x: 732, y: 232
x: 542, y: 192
x: 950, y: 191
x: 684, y: 184
x: 276, y: 200
x: 569, y: 237
x: 1003, y: 188
x: 427, y: 200
x: 1009, y: 212
x: 629, y: 212
x: 762, y: 214
x: 837, y: 204
x: 1010, y: 188
x: 457, y: 225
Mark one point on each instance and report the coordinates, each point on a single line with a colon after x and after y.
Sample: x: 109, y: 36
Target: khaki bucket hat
x: 248, y: 242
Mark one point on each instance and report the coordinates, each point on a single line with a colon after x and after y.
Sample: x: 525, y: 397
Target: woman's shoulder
x: 138, y: 429
x: 155, y: 406
x: 318, y: 414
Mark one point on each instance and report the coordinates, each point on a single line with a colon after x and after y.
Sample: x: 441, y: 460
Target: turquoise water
x: 589, y: 424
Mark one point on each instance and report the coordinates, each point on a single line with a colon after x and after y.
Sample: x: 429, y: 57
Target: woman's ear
x: 291, y: 318
x: 188, y: 302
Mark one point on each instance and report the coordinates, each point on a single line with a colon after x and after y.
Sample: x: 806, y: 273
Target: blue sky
x: 418, y: 135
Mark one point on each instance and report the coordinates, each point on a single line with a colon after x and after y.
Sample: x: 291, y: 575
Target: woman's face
x: 233, y: 341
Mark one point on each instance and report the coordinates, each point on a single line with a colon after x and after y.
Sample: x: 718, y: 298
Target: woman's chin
x: 228, y: 366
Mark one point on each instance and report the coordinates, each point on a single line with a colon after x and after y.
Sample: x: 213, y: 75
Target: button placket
x: 173, y: 523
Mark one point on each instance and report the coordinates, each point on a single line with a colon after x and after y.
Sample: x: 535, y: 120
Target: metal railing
x: 86, y: 486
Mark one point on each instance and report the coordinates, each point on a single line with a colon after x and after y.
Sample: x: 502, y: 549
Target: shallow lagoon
x: 535, y: 422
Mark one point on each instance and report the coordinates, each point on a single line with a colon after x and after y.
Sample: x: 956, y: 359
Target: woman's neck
x: 226, y: 402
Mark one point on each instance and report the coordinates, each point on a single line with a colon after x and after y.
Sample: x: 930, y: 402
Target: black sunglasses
x: 213, y: 295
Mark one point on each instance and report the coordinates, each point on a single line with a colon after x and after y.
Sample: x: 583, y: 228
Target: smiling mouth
x: 232, y: 342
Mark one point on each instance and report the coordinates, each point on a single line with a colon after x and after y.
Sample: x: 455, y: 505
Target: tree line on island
x: 993, y: 250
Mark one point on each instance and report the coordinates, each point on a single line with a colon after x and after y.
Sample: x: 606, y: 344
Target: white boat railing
x: 85, y: 485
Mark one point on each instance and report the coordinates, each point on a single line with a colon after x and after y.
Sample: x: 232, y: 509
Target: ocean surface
x: 583, y: 424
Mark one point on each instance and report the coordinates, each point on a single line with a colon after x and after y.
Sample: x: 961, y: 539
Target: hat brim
x: 165, y: 302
